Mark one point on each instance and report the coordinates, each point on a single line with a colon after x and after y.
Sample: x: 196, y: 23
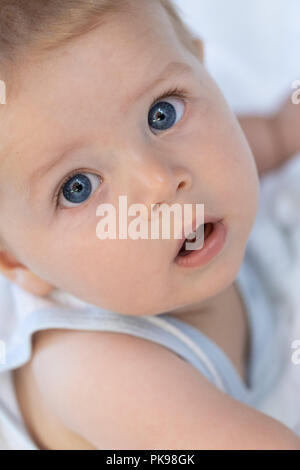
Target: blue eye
x: 165, y: 114
x: 77, y: 189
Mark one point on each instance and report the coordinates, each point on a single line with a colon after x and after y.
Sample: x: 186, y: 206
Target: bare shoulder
x: 43, y: 425
x: 48, y: 381
x: 119, y: 391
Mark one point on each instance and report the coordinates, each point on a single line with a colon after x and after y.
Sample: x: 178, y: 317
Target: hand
x: 274, y: 138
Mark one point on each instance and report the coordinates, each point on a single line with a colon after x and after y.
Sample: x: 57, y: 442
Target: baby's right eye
x: 77, y: 189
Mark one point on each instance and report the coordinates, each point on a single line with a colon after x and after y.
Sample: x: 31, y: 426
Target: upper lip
x: 207, y: 219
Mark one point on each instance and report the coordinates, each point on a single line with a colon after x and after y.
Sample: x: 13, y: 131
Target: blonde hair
x: 43, y: 25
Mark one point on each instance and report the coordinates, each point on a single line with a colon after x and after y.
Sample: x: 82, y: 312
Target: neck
x: 203, y: 307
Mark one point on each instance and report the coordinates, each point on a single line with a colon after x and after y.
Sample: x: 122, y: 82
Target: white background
x: 252, y: 47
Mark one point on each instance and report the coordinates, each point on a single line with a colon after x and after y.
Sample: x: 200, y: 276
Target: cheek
x: 119, y: 275
x: 243, y: 174
x: 225, y: 165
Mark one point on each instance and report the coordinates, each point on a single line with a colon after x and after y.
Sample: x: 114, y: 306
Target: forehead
x: 124, y: 46
x: 87, y: 79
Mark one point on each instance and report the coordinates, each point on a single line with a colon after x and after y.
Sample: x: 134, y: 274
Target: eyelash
x: 177, y: 92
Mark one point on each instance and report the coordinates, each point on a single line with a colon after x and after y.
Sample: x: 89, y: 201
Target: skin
x: 274, y: 138
x: 72, y: 97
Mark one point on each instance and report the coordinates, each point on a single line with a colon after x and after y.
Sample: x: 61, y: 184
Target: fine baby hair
x: 37, y: 26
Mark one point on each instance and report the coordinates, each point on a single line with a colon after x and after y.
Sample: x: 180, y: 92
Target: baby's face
x: 84, y: 109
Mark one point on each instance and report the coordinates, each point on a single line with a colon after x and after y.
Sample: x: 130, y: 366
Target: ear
x: 200, y: 48
x: 16, y: 272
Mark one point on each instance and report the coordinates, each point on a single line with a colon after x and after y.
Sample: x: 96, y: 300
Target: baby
x: 111, y: 97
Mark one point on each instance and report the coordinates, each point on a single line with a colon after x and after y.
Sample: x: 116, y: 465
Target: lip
x: 210, y: 249
x: 207, y: 220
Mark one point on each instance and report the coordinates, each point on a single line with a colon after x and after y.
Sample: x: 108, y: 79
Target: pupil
x: 160, y: 116
x: 78, y: 187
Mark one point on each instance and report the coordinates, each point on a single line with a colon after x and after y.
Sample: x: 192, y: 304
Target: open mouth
x: 206, y: 248
x: 208, y: 229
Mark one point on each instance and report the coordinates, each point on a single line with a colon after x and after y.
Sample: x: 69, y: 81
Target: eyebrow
x: 52, y: 163
x: 174, y: 68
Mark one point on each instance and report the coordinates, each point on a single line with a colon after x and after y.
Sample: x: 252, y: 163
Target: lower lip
x: 211, y: 247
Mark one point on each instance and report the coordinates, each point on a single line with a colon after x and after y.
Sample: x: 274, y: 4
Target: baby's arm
x: 123, y: 392
x: 275, y: 138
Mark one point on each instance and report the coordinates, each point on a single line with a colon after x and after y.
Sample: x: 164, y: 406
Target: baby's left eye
x: 165, y: 114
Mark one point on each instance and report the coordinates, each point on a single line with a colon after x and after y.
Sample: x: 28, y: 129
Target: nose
x: 156, y: 181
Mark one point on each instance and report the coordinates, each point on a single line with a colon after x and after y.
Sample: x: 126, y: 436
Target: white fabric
x: 277, y: 245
